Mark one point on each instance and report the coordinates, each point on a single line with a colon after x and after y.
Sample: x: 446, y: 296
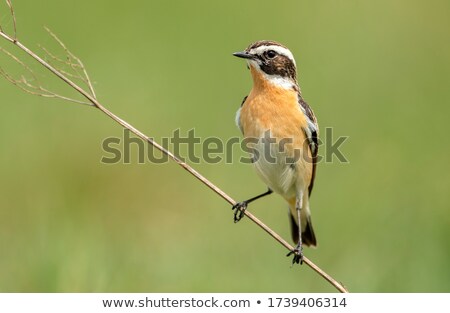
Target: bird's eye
x: 271, y: 54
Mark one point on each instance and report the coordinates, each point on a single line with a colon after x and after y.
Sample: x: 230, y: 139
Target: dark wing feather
x: 313, y: 139
x: 243, y: 101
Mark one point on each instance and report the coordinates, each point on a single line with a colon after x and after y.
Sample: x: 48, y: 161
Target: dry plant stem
x: 28, y: 87
x: 92, y: 99
x: 11, y: 9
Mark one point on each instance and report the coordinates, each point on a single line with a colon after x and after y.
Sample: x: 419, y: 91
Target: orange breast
x: 273, y: 108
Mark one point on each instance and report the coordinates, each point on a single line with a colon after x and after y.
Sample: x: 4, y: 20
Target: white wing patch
x: 238, y: 120
x: 312, y: 127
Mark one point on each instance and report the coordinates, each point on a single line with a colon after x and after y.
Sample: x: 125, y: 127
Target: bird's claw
x: 239, y: 209
x: 298, y: 255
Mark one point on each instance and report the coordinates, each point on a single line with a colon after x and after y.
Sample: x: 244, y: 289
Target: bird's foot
x: 239, y: 209
x: 298, y: 255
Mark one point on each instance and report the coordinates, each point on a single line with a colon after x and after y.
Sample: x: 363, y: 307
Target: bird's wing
x: 238, y: 115
x: 312, y: 133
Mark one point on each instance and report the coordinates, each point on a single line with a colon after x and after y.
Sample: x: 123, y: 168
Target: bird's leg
x: 240, y: 207
x: 298, y: 250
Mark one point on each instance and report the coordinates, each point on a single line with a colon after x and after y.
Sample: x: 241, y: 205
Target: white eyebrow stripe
x: 278, y: 49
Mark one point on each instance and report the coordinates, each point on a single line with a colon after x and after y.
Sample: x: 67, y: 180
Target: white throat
x: 279, y: 81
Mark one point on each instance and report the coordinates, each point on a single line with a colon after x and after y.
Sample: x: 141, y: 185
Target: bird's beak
x: 244, y: 55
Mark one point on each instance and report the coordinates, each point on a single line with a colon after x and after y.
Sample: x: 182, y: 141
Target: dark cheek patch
x: 281, y: 66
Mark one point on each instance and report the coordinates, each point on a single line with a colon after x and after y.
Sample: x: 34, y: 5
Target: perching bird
x: 282, y: 133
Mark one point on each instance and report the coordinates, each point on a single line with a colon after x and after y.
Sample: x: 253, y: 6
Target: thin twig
x: 90, y: 96
x: 86, y: 78
x: 67, y: 63
x: 13, y: 17
x: 63, y: 62
x: 34, y: 89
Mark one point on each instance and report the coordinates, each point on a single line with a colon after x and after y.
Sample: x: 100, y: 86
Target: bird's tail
x: 308, y: 236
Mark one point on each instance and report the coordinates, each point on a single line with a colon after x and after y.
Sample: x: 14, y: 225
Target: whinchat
x: 275, y: 110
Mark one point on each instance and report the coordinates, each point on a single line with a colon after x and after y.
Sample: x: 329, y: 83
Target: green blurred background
x: 376, y: 71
